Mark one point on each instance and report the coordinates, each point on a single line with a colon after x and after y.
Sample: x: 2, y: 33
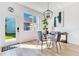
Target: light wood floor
x: 66, y: 50
x: 31, y: 49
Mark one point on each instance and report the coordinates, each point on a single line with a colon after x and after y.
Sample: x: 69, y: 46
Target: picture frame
x: 59, y: 19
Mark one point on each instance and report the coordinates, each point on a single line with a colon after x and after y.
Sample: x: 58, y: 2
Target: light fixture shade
x: 48, y: 14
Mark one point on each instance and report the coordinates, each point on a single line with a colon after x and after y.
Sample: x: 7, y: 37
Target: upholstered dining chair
x: 54, y: 37
x: 40, y: 39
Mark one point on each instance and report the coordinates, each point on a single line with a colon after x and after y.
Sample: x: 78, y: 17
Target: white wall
x: 28, y: 35
x: 18, y: 14
x: 71, y: 20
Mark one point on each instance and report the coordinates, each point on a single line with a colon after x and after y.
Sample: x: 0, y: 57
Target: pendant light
x: 48, y: 13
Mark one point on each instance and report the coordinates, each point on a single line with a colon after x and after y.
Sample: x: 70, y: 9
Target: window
x: 29, y: 21
x: 26, y: 26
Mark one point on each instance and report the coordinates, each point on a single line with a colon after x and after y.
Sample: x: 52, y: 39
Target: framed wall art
x: 59, y: 19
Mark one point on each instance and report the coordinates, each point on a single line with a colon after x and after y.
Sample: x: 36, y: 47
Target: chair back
x: 59, y: 36
x: 40, y: 36
x: 53, y: 36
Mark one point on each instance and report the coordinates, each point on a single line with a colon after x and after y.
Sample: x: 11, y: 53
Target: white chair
x: 54, y: 37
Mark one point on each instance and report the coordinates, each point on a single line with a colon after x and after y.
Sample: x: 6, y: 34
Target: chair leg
x: 41, y: 46
x: 59, y: 45
x: 49, y: 44
x: 52, y: 43
x: 56, y: 46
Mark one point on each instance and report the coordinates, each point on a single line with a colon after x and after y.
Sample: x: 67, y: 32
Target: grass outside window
x: 10, y: 36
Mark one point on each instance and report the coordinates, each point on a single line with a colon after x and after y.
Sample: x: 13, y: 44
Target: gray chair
x: 40, y: 38
x: 54, y: 38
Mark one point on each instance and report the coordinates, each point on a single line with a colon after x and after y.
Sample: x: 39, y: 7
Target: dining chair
x: 40, y: 39
x: 54, y: 37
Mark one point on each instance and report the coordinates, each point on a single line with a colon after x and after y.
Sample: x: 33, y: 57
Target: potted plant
x: 45, y: 24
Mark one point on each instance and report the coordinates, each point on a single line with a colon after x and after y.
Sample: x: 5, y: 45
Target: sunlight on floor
x: 24, y: 49
x: 13, y: 39
x: 31, y: 46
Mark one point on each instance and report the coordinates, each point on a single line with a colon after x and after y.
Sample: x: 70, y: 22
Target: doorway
x: 10, y: 28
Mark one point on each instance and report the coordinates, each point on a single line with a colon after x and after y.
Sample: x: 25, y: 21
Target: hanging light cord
x: 48, y: 5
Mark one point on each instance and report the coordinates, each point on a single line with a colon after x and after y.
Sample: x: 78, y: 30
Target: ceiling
x: 42, y: 6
